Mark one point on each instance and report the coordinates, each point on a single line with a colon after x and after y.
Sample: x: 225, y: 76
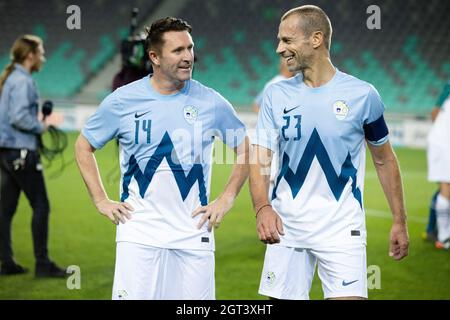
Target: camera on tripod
x: 132, y: 49
x: 135, y: 61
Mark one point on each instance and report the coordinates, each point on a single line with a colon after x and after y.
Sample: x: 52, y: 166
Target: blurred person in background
x: 20, y: 165
x: 438, y: 153
x: 284, y: 73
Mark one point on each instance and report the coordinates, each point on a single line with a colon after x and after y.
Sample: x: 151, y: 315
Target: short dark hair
x: 314, y: 19
x: 154, y: 40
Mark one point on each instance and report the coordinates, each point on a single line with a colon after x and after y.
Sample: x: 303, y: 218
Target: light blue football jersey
x: 319, y: 135
x: 166, y: 144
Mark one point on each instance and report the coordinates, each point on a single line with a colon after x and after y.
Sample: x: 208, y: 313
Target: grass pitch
x: 80, y: 236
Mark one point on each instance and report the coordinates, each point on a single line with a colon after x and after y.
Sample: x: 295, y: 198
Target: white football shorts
x: 438, y: 150
x: 288, y: 272
x: 148, y: 273
x: 438, y: 163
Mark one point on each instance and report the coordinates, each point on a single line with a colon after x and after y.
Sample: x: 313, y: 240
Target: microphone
x: 47, y: 108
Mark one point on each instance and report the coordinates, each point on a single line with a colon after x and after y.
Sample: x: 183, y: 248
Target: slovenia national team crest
x: 270, y: 278
x: 190, y: 114
x: 122, y: 295
x: 340, y: 109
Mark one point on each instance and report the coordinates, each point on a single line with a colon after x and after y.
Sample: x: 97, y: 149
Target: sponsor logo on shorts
x: 344, y: 283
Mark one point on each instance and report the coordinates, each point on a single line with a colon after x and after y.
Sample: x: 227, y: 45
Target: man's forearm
x: 389, y: 174
x: 89, y: 171
x: 239, y: 173
x: 259, y: 180
x: 259, y: 186
x: 237, y: 178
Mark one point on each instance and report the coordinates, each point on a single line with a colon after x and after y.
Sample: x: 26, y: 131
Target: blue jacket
x: 19, y: 125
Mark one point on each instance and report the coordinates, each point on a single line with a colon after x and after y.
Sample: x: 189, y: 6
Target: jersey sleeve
x: 103, y: 125
x: 229, y: 127
x: 266, y: 132
x: 375, y: 128
x: 444, y: 95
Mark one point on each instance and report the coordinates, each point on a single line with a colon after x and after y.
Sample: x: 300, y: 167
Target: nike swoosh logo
x: 348, y: 283
x: 136, y: 115
x: 289, y: 110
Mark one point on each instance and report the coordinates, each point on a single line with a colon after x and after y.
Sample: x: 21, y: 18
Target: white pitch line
x: 388, y: 215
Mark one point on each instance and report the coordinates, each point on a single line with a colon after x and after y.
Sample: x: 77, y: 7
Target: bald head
x: 312, y: 19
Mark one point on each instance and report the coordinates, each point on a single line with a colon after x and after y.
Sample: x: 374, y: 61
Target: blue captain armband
x: 376, y: 132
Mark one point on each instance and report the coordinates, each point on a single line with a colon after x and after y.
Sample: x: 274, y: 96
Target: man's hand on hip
x: 114, y: 211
